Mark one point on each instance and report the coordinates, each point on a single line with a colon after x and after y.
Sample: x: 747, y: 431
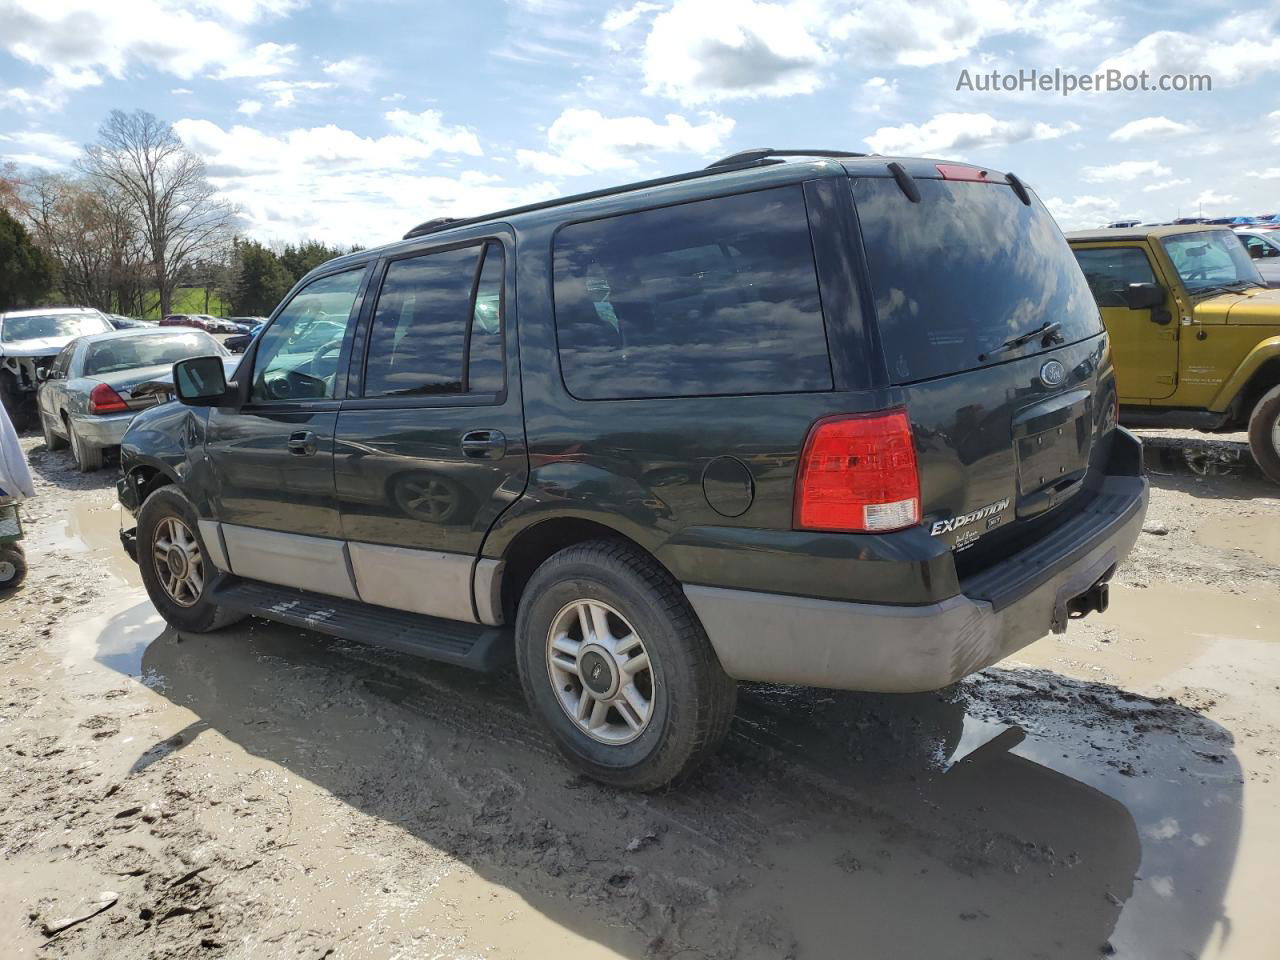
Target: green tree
x: 26, y: 274
x: 300, y: 260
x: 261, y: 281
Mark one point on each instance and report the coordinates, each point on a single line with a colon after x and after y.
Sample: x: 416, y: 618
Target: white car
x: 29, y: 340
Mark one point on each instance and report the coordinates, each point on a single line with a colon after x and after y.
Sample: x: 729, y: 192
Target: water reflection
x: 995, y: 819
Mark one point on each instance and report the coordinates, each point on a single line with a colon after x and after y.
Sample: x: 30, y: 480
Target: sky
x: 350, y: 121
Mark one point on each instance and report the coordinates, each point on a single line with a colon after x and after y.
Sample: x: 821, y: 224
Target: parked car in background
x: 200, y: 321
x: 1194, y: 329
x: 240, y: 341
x: 121, y: 322
x: 1115, y: 224
x: 30, y: 339
x: 86, y: 397
x: 1264, y: 249
x: 842, y: 421
x: 247, y: 324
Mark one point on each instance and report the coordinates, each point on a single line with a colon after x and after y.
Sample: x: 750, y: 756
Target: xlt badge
x: 955, y: 523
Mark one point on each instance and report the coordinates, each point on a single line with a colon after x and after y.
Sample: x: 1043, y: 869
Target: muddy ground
x: 269, y: 793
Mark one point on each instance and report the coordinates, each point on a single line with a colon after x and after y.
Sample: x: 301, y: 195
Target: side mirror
x: 1143, y: 296
x: 42, y: 374
x: 200, y: 381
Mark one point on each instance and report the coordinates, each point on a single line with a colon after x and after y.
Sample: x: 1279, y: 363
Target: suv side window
x: 706, y: 298
x: 298, y: 354
x: 437, y: 327
x: 1110, y: 270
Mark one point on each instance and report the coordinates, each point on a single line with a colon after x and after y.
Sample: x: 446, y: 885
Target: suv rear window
x: 959, y: 273
x: 706, y: 298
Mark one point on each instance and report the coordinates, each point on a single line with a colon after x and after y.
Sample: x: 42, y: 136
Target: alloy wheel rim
x: 600, y: 671
x: 7, y: 571
x: 1275, y: 435
x: 179, y: 562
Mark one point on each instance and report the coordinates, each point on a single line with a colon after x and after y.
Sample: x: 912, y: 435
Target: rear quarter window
x: 707, y: 298
x: 962, y: 271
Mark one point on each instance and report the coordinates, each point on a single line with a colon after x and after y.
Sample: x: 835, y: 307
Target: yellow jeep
x: 1194, y: 330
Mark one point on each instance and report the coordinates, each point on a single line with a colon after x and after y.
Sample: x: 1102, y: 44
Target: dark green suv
x: 832, y: 420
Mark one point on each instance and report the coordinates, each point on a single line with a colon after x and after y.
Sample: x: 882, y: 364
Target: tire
x: 51, y: 440
x: 88, y: 457
x: 16, y: 403
x: 690, y: 698
x: 194, y: 611
x: 13, y: 568
x: 1264, y: 434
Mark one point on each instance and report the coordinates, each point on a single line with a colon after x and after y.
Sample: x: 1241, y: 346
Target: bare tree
x: 164, y: 185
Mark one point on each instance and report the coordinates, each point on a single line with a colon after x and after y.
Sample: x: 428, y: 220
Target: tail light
x: 102, y: 399
x: 858, y: 475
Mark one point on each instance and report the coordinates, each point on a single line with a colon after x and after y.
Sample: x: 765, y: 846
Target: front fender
x: 1263, y: 350
x: 168, y: 438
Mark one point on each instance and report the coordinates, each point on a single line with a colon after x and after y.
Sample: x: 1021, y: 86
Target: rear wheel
x: 51, y: 440
x: 1264, y: 433
x: 88, y: 457
x: 617, y: 667
x: 175, y: 565
x: 13, y: 567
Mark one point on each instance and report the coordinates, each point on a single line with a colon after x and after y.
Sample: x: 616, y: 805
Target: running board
x: 470, y: 645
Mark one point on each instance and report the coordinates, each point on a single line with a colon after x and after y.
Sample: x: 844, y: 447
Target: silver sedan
x: 86, y: 398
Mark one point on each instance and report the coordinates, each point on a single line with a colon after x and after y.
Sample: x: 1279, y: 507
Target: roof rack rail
x: 448, y: 223
x: 760, y: 156
x: 763, y: 153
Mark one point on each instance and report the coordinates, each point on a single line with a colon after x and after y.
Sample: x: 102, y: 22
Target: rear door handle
x: 302, y: 443
x: 484, y: 444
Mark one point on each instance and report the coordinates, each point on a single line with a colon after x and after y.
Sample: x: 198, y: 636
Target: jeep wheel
x: 175, y: 566
x: 51, y: 440
x: 617, y: 667
x: 1264, y: 433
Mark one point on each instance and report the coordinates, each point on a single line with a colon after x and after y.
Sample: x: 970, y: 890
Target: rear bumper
x: 103, y: 431
x: 902, y: 649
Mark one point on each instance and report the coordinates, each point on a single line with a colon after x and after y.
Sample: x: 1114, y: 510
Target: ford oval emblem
x: 1052, y: 373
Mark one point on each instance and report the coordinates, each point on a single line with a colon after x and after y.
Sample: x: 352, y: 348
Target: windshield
x: 1211, y: 260
x: 153, y: 350
x: 963, y: 271
x: 39, y: 326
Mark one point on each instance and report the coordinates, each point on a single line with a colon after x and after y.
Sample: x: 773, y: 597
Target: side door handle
x: 484, y: 444
x: 302, y: 443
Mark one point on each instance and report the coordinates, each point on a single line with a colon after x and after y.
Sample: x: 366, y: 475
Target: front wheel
x: 617, y: 667
x: 175, y: 566
x: 1264, y: 433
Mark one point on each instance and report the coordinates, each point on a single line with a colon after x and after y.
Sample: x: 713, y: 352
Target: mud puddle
x: 1258, y: 535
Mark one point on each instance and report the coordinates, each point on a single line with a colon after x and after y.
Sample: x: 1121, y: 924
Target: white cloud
x: 428, y: 128
x: 335, y: 185
x: 346, y: 68
x: 37, y: 149
x: 875, y: 93
x: 1124, y: 171
x: 696, y: 52
x: 1241, y: 50
x: 78, y: 42
x: 248, y: 107
x: 264, y: 60
x: 950, y: 132
x: 1270, y: 173
x: 1083, y: 212
x: 180, y: 91
x: 284, y: 93
x: 584, y: 141
x: 1165, y: 185
x: 1212, y: 198
x: 1148, y: 128
x: 393, y: 98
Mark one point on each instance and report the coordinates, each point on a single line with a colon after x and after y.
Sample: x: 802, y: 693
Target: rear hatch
x: 1009, y: 435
